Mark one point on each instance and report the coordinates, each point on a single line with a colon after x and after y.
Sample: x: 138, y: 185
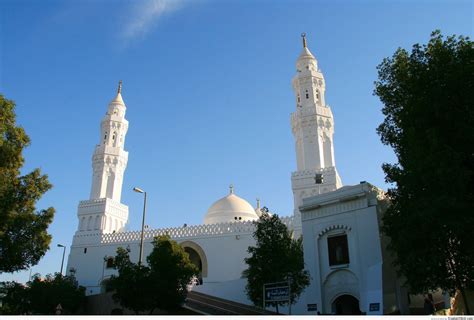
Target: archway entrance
x: 345, y: 304
x: 197, y: 257
x: 196, y: 260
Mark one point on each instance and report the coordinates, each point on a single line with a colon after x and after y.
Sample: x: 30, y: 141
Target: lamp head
x: 136, y: 189
x: 60, y: 245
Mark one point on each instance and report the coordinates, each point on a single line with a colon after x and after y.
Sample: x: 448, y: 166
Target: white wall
x: 352, y: 211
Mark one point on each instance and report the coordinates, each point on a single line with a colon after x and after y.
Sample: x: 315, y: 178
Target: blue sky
x: 207, y: 86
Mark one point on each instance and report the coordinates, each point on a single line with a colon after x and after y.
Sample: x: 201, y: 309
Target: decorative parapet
x: 94, y: 206
x: 92, y: 202
x: 306, y: 173
x: 203, y: 230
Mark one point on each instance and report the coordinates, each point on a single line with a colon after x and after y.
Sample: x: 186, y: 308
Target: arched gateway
x: 197, y: 257
x: 345, y: 304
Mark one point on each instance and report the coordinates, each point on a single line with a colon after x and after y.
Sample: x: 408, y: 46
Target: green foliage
x: 162, y: 284
x: 429, y: 122
x: 171, y: 272
x: 14, y: 298
x: 23, y: 230
x: 41, y: 296
x: 275, y: 257
x: 131, y: 286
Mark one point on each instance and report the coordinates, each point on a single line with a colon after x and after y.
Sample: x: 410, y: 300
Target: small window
x: 319, y: 179
x: 307, y: 94
x: 338, y: 250
x: 109, y: 263
x: 85, y: 250
x: 299, y: 100
x: 105, y: 136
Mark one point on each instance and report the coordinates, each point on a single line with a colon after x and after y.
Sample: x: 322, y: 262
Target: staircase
x: 210, y: 305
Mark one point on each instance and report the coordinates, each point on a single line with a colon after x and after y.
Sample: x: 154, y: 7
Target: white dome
x: 231, y: 208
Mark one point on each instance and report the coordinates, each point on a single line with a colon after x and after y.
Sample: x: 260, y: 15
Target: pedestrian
x: 428, y: 306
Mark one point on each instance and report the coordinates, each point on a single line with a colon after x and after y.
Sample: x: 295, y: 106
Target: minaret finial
x: 303, y: 35
x: 231, y: 187
x: 258, y: 203
x: 119, y: 91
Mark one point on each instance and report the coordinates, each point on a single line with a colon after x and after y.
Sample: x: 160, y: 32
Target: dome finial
x: 258, y: 203
x: 303, y: 35
x: 119, y: 91
x: 231, y: 188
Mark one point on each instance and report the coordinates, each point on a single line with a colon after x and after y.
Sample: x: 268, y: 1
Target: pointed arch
x: 327, y: 150
x: 89, y: 223
x: 97, y: 223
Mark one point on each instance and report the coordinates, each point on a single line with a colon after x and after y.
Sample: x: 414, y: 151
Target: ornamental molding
x: 331, y: 208
x: 341, y: 227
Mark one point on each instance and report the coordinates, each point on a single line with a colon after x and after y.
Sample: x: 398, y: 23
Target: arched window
x: 109, y: 263
x: 105, y: 136
x: 114, y: 140
x: 338, y: 250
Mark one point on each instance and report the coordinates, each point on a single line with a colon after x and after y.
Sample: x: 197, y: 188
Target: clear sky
x: 207, y: 86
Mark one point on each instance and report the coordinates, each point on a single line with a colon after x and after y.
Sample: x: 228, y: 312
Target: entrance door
x: 196, y: 260
x: 346, y: 304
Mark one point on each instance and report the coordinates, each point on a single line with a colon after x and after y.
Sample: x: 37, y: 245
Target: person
x: 428, y: 306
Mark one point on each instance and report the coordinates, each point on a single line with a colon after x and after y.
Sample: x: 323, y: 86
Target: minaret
x: 103, y: 211
x: 313, y: 128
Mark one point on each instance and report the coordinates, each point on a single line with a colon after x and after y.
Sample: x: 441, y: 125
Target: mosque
x: 340, y: 225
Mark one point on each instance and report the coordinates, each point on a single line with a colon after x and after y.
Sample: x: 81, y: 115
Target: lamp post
x: 62, y: 261
x: 143, y: 224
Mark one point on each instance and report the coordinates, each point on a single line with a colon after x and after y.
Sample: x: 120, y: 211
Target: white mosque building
x: 340, y: 225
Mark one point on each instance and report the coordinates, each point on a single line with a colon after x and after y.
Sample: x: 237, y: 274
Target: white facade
x: 219, y: 246
x: 354, y: 212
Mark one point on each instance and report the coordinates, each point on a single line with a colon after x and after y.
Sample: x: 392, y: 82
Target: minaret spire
x: 119, y: 91
x: 231, y: 189
x: 303, y: 35
x: 313, y: 128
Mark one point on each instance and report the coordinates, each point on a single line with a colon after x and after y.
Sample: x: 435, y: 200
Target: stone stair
x: 210, y: 305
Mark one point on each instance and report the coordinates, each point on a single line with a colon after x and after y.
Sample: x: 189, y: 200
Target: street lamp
x: 143, y: 224
x: 62, y: 261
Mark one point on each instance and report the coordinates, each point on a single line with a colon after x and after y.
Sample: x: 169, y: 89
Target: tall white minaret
x: 103, y: 211
x: 313, y: 128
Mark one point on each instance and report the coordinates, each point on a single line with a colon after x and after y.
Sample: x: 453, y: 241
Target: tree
x: 132, y: 287
x: 23, y: 230
x: 42, y: 296
x: 275, y: 257
x: 162, y: 284
x: 14, y: 298
x: 171, y: 272
x: 429, y: 120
